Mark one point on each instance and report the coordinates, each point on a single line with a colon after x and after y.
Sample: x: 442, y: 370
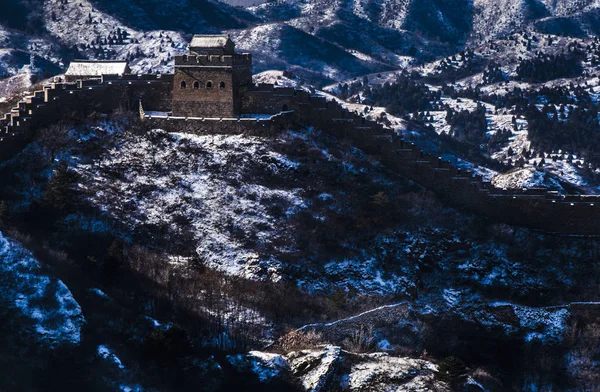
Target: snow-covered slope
x: 523, y: 179
x: 323, y: 41
x: 53, y: 316
x: 205, y: 185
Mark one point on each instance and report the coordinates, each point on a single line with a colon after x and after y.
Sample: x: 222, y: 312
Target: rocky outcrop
x: 315, y: 368
x: 331, y: 368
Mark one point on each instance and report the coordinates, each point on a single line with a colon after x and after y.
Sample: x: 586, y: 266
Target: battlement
x: 166, y: 78
x: 213, y: 60
x: 79, y: 98
x: 216, y: 90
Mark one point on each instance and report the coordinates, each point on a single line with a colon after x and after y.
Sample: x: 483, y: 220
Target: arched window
x: 222, y: 86
x: 183, y: 84
x: 196, y: 85
x: 284, y: 108
x: 209, y: 84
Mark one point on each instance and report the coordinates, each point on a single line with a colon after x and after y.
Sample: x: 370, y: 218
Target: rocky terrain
x: 329, y: 367
x: 181, y: 248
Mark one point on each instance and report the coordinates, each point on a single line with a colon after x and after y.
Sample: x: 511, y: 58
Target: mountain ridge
x: 376, y: 35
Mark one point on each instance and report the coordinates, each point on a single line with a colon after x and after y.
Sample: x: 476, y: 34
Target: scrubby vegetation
x: 544, y: 68
x: 579, y: 130
x: 155, y: 270
x: 402, y: 97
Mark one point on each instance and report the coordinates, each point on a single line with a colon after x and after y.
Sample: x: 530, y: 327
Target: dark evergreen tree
x: 453, y: 371
x: 61, y: 192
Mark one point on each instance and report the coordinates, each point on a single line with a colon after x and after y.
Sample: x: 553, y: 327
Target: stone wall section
x: 534, y: 208
x: 79, y: 99
x: 224, y: 126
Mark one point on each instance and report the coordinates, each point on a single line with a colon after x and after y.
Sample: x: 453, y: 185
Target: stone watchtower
x: 211, y: 79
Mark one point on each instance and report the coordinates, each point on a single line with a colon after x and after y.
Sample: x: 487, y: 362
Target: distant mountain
x: 386, y: 29
x: 321, y: 41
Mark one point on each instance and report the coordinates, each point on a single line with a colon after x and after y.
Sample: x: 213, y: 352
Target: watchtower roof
x: 211, y: 44
x: 210, y: 41
x: 97, y: 68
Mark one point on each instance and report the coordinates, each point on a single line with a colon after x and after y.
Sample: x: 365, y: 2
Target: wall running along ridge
x: 535, y: 208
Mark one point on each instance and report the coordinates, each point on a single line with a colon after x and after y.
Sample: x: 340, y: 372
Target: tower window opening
x: 183, y: 84
x: 222, y: 85
x: 196, y: 85
x: 209, y: 84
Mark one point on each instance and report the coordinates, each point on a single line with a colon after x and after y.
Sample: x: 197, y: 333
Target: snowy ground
x: 571, y: 172
x: 55, y: 316
x: 327, y: 367
x: 278, y: 79
x: 524, y: 178
x: 153, y: 54
x: 204, y: 184
x: 17, y: 84
x: 233, y: 196
x: 107, y: 354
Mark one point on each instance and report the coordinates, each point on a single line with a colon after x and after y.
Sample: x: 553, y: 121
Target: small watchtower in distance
x: 95, y: 69
x: 211, y: 79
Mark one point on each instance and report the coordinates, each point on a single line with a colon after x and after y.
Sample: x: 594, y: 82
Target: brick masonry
x: 210, y: 85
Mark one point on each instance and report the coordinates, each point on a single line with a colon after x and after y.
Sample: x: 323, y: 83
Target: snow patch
x: 106, y: 353
x: 316, y: 379
x: 520, y: 178
x: 265, y: 365
x: 56, y: 317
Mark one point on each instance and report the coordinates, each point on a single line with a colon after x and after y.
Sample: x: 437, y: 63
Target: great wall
x: 287, y: 108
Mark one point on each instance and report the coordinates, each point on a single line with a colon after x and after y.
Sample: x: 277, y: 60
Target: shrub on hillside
x: 298, y: 340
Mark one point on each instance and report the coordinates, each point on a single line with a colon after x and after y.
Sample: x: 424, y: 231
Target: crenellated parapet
x: 289, y: 107
x: 161, y: 78
x: 80, y: 98
x: 244, y: 59
x: 535, y: 208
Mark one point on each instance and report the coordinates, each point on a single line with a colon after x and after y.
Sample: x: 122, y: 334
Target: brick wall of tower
x: 203, y: 101
x: 242, y: 83
x: 210, y: 86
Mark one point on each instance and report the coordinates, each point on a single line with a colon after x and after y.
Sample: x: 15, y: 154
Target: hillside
x: 278, y: 232
x: 527, y: 100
